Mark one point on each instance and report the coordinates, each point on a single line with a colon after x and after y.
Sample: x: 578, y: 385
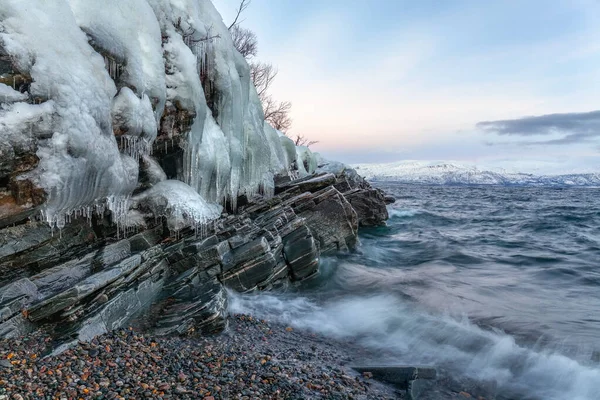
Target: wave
x: 402, y: 333
x: 402, y: 213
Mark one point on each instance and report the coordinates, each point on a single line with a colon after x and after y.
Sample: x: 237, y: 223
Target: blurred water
x: 492, y: 283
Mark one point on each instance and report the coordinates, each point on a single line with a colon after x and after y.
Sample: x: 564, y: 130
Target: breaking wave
x: 496, y: 285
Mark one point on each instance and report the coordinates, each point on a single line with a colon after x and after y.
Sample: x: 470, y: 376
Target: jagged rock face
x: 87, y: 287
x: 369, y: 205
x: 133, y: 237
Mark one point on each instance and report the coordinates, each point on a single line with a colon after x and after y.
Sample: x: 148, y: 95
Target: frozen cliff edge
x: 87, y: 89
x: 450, y: 173
x: 138, y: 179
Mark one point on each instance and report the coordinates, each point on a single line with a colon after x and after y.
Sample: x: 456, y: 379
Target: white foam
x: 407, y: 335
x: 402, y: 213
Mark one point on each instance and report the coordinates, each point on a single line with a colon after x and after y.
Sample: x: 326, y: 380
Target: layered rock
x: 117, y: 162
x: 171, y: 285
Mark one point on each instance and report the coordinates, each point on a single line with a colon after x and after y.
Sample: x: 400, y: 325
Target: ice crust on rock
x: 305, y: 160
x: 135, y: 117
x: 9, y: 95
x: 280, y: 160
x: 179, y: 203
x: 80, y: 163
x: 228, y: 152
x: 110, y: 68
x: 153, y: 170
x: 129, y: 32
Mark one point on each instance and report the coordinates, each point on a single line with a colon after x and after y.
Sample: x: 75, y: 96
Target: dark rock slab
x: 28, y: 249
x: 389, y: 199
x: 246, y: 276
x: 195, y: 301
x: 301, y: 253
x: 370, y: 206
x: 82, y: 289
x: 415, y: 380
x: 244, y: 253
x: 331, y: 220
x: 311, y: 183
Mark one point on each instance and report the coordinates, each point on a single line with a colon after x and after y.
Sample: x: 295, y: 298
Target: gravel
x: 251, y: 360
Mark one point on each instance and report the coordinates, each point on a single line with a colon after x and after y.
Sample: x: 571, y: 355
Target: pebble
x: 237, y: 364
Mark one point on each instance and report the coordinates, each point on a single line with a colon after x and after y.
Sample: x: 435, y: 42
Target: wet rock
x: 370, y: 206
x: 330, y: 218
x: 82, y: 285
x: 311, y: 183
x: 415, y: 380
x: 82, y: 289
x: 247, y: 275
x: 301, y: 253
x: 389, y: 199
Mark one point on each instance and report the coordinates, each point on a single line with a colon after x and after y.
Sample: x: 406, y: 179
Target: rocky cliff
x: 138, y: 179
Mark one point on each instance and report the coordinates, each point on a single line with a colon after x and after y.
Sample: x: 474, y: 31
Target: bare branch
x: 243, y: 5
x: 189, y: 33
x: 302, y: 140
x: 278, y: 114
x: 244, y: 41
x: 262, y: 75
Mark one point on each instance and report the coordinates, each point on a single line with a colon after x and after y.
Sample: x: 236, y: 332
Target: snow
x: 129, y: 32
x: 111, y: 67
x: 20, y: 123
x: 183, y: 83
x: 453, y: 173
x: 9, y: 95
x: 153, y: 170
x: 136, y: 117
x: 179, y: 203
x: 80, y: 164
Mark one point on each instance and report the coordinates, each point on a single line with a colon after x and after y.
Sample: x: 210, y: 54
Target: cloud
x: 574, y: 126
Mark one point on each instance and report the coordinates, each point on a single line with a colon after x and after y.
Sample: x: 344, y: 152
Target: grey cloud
x: 578, y: 125
x: 570, y: 139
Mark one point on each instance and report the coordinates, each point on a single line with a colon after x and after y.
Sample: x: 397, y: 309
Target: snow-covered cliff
x: 90, y: 90
x: 451, y: 173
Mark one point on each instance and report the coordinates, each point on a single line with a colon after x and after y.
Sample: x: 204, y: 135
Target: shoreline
x: 252, y: 359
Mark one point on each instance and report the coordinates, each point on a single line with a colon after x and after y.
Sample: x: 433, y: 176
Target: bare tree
x: 278, y: 114
x: 262, y: 75
x: 302, y: 140
x: 243, y: 5
x: 244, y: 41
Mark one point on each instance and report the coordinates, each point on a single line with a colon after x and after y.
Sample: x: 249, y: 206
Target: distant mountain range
x: 449, y: 173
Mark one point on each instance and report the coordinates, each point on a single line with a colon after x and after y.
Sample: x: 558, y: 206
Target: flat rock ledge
x: 86, y: 282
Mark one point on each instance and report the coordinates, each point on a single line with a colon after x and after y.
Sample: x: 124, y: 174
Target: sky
x: 466, y: 80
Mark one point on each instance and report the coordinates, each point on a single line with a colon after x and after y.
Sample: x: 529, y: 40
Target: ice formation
x: 129, y: 33
x: 104, y: 74
x: 179, y: 203
x: 305, y: 160
x: 10, y: 95
x: 153, y: 170
x: 280, y: 159
x: 80, y: 162
x: 134, y: 118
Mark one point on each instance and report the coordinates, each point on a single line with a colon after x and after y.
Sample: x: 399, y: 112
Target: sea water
x: 495, y: 285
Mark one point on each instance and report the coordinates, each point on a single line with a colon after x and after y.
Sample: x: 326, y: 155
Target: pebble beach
x: 250, y: 360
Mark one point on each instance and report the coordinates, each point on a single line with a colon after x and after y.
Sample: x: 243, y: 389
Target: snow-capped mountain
x: 451, y: 173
